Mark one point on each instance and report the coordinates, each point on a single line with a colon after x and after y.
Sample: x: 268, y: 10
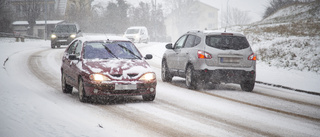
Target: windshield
x: 118, y: 50
x: 132, y: 31
x: 227, y: 42
x: 66, y: 28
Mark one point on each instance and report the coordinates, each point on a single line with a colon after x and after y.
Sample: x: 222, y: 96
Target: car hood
x: 117, y: 68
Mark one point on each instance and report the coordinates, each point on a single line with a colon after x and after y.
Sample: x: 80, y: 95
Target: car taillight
x: 252, y: 57
x: 204, y: 55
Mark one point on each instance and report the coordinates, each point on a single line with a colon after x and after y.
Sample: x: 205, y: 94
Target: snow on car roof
x: 219, y: 32
x: 102, y: 37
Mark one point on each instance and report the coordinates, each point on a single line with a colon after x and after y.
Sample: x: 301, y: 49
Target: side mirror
x: 169, y: 46
x: 148, y: 56
x: 52, y: 31
x: 79, y: 31
x: 73, y: 57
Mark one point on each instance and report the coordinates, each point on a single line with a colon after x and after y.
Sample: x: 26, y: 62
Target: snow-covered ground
x: 32, y: 106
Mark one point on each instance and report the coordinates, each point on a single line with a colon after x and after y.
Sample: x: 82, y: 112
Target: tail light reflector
x: 204, y: 55
x: 252, y: 57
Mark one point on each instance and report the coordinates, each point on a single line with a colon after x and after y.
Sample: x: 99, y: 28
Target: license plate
x: 125, y: 87
x: 62, y: 40
x: 229, y: 60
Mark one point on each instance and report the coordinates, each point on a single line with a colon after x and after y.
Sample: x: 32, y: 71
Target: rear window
x: 227, y: 42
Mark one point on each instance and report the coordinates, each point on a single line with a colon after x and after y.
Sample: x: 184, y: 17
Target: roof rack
x: 194, y: 31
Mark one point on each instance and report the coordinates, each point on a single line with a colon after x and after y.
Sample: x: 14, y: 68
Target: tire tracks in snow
x: 256, y: 105
x: 152, y: 122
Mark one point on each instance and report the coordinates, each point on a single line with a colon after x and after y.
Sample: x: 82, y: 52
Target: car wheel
x: 165, y: 74
x: 82, y: 93
x: 58, y: 46
x: 247, y: 85
x: 146, y: 42
x: 66, y: 88
x: 190, y: 78
x: 52, y: 46
x: 148, y: 97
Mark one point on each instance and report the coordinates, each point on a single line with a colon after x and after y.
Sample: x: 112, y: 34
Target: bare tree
x: 185, y: 13
x: 5, y: 17
x: 80, y: 12
x: 236, y: 17
x: 32, y: 11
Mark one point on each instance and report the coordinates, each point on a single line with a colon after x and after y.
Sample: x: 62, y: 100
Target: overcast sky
x: 255, y: 8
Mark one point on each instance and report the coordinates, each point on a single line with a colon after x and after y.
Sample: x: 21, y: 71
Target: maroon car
x: 106, y: 66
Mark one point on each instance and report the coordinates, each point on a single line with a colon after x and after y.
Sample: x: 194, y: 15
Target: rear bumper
x: 226, y: 75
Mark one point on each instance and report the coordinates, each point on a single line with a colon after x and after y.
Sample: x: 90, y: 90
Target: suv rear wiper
x: 129, y: 51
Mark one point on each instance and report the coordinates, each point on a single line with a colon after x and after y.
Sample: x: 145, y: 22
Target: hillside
x: 290, y: 38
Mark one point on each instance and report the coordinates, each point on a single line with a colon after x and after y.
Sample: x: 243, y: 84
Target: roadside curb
x: 289, y: 88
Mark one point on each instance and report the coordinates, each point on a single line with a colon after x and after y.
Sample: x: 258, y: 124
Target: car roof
x: 217, y: 32
x: 137, y: 27
x: 102, y: 38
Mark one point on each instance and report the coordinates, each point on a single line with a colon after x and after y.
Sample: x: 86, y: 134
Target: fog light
x: 151, y: 89
x: 95, y: 91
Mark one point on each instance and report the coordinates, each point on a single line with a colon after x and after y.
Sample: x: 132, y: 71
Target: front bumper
x: 109, y: 89
x: 61, y: 41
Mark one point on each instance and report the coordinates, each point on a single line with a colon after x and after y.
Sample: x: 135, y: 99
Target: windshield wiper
x: 129, y: 51
x: 110, y: 51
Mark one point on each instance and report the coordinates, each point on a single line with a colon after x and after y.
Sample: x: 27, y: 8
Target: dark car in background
x: 210, y: 57
x: 106, y: 66
x: 64, y: 33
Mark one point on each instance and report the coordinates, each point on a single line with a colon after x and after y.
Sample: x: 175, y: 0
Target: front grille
x: 119, y: 75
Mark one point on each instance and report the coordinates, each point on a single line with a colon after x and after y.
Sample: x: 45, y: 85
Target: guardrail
x: 17, y: 36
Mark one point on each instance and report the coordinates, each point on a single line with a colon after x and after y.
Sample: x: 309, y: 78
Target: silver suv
x: 210, y: 57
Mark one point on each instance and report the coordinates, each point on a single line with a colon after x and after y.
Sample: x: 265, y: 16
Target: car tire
x: 148, y: 97
x: 165, y: 74
x: 82, y: 93
x: 66, y: 88
x: 190, y: 78
x: 247, y: 85
x: 52, y: 46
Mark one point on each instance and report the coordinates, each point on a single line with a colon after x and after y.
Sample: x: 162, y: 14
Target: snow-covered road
x: 33, y: 104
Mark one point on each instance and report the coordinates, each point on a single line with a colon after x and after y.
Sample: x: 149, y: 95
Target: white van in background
x: 137, y: 34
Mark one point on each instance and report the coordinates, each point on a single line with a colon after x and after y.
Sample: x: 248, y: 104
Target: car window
x: 101, y: 50
x: 190, y: 41
x: 197, y: 41
x: 71, y: 48
x: 132, y: 31
x: 180, y: 42
x: 227, y: 42
x: 78, y: 48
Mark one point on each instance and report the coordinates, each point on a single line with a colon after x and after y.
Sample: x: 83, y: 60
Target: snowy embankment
x: 290, y: 38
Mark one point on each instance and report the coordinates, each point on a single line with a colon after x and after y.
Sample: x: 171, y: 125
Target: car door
x: 66, y: 62
x: 183, y: 55
x: 74, y: 67
x: 173, y: 55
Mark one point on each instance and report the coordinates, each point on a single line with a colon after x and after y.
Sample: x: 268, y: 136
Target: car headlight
x: 73, y: 35
x: 98, y: 77
x: 148, y: 77
x: 137, y: 36
x: 53, y: 36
